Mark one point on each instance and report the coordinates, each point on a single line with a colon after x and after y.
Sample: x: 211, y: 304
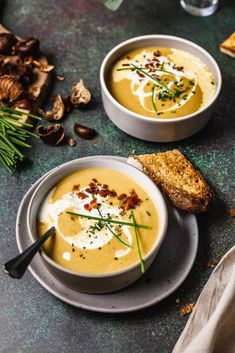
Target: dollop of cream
x: 49, y: 213
x: 193, y: 69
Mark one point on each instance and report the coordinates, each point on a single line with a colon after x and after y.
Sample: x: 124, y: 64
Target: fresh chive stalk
x: 138, y: 242
x: 13, y: 136
x: 109, y: 220
x: 114, y: 234
x: 153, y: 99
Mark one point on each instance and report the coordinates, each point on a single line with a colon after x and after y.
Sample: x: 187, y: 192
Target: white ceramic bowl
x: 97, y: 283
x: 159, y: 129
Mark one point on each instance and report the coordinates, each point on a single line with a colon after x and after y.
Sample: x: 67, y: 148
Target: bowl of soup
x: 159, y: 88
x: 110, y: 221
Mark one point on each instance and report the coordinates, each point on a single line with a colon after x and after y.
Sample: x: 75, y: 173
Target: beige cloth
x: 211, y: 326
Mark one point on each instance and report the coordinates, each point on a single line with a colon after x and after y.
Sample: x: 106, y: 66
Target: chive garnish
x: 109, y: 220
x: 114, y: 234
x: 153, y: 99
x: 154, y: 79
x: 138, y: 242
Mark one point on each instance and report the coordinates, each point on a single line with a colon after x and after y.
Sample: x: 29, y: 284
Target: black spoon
x: 17, y: 266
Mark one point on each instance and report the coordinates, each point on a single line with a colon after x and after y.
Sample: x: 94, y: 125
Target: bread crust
x: 228, y: 46
x: 189, y: 201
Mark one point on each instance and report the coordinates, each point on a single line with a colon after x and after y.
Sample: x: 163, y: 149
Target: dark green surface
x: 76, y: 35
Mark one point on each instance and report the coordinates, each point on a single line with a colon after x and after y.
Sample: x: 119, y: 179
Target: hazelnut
x: 80, y: 96
x: 7, y: 40
x: 57, y: 112
x: 52, y: 135
x: 27, y: 47
x: 84, y: 131
x: 10, y: 88
x: 22, y: 104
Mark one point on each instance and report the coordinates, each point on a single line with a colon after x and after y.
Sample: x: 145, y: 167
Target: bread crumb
x: 232, y: 212
x: 211, y: 264
x: 177, y: 300
x: 187, y: 309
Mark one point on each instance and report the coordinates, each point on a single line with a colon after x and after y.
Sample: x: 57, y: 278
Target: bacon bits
x: 129, y: 202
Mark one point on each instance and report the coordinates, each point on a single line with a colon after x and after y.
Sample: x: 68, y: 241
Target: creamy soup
x: 161, y: 82
x: 90, y: 245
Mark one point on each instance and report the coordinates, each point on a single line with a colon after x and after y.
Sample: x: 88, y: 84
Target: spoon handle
x: 17, y: 266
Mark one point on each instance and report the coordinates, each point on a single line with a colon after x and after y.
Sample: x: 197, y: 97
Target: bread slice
x: 177, y: 178
x: 228, y: 46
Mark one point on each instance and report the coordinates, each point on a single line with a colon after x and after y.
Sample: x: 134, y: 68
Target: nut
x: 43, y: 67
x: 22, y: 104
x: 20, y: 72
x: 80, y: 95
x: 57, y: 112
x: 84, y: 131
x: 52, y: 135
x: 71, y: 142
x: 7, y: 40
x: 27, y: 47
x: 10, y: 88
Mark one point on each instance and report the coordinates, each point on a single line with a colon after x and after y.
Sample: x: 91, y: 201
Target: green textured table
x: 76, y: 35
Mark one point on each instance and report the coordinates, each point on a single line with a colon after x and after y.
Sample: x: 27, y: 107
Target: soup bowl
x: 107, y: 281
x: 157, y: 129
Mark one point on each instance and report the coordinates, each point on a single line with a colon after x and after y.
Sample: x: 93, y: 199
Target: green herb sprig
x: 138, y: 242
x: 109, y: 220
x: 114, y: 234
x: 13, y: 136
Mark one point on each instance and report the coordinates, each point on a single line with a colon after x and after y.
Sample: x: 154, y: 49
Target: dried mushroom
x: 84, y: 131
x: 52, y: 135
x: 80, y: 95
x: 27, y: 47
x: 10, y: 88
x: 7, y: 40
x: 57, y: 111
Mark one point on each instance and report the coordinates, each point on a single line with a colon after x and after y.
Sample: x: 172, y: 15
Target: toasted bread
x: 228, y: 46
x: 177, y: 178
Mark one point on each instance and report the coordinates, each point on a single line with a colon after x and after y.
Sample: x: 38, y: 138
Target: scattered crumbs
x: 177, y: 300
x: 232, y: 212
x: 148, y: 213
x: 187, y: 309
x: 211, y: 264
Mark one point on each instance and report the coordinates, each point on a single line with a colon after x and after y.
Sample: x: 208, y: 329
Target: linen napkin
x: 211, y: 326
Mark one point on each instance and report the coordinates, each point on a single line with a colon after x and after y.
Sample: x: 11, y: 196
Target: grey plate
x: 172, y: 265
